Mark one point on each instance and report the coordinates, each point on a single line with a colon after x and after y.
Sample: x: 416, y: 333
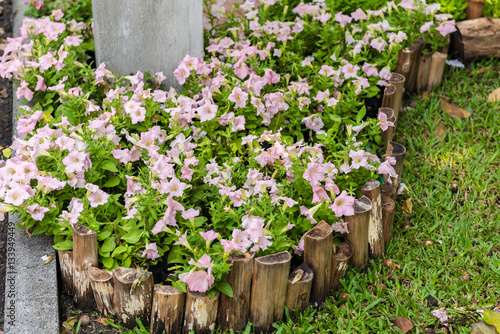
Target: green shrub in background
x: 492, y: 8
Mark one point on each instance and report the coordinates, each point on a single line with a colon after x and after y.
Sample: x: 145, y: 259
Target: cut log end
x: 99, y: 275
x: 320, y: 231
x: 82, y: 230
x: 282, y: 257
x: 362, y: 205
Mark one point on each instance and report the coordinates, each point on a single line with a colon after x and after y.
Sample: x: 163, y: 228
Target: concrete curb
x: 31, y: 289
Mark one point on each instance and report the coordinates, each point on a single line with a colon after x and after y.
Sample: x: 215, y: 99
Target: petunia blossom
x: 343, y: 205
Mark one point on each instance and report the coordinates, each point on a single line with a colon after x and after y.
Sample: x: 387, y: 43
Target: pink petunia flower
x: 151, y: 251
x: 447, y: 27
x: 314, y: 173
x: 239, y: 97
x: 384, y: 124
x: 343, y: 205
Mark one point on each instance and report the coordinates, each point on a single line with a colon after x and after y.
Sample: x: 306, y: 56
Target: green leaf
x: 492, y: 318
x: 119, y: 250
x: 109, y: 165
x: 361, y: 114
x: 108, y: 262
x: 225, y: 288
x: 112, y: 182
x: 132, y: 237
x: 65, y: 245
x: 103, y: 235
x: 108, y: 245
x: 179, y: 286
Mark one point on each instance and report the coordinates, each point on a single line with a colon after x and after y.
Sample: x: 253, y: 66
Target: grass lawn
x: 450, y: 256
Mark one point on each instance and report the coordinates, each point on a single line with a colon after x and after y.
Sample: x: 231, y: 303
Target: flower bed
x: 270, y: 135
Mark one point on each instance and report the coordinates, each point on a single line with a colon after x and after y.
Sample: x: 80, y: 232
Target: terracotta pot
x: 474, y: 9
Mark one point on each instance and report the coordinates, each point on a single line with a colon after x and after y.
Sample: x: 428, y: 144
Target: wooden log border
x: 173, y: 311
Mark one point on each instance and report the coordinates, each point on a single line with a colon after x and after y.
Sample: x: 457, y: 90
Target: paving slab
x: 31, y: 288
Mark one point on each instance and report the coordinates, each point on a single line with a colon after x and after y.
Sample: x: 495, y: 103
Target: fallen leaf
x: 2, y: 31
x: 494, y: 96
x: 453, y: 110
x: 3, y: 93
x: 404, y: 324
x: 298, y: 276
x: 104, y: 321
x: 440, y: 130
x: 482, y: 327
x: 391, y: 264
x: 492, y: 318
x: 407, y: 206
x: 465, y: 277
x: 424, y: 96
x: 479, y: 71
x: 7, y: 152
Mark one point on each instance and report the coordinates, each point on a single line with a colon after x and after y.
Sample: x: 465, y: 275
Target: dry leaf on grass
x: 424, y: 96
x: 104, y: 321
x: 440, y: 130
x: 407, y: 206
x: 482, y: 327
x: 404, y: 324
x: 492, y: 318
x: 453, y: 110
x: 494, y: 96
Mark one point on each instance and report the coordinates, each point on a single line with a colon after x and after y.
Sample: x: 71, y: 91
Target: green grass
x: 464, y: 226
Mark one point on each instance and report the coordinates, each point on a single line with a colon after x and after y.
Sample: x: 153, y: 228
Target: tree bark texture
x: 84, y: 257
x: 102, y: 286
x: 376, y: 243
x: 132, y: 299
x: 233, y: 311
x: 270, y: 280
x: 318, y: 245
x: 168, y: 310
x: 299, y: 288
x: 358, y: 225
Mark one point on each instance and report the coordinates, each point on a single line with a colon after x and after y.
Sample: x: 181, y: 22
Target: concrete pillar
x: 147, y: 35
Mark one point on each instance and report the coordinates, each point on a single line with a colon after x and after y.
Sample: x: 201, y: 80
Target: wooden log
x: 438, y: 63
x: 318, y: 245
x: 233, y: 311
x: 388, y: 134
x: 270, y: 280
x: 405, y: 60
x: 201, y: 313
x: 399, y: 82
x: 132, y: 301
x: 388, y: 209
x: 84, y: 257
x: 299, y: 288
x: 411, y: 83
x: 340, y: 263
x: 67, y: 270
x: 358, y: 232
x: 389, y: 96
x: 102, y: 286
x: 474, y: 9
x: 479, y: 38
x: 376, y: 243
x: 167, y: 310
x: 397, y: 151
x: 423, y: 72
x: 388, y: 190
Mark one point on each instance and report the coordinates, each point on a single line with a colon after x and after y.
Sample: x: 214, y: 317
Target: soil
x: 6, y: 23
